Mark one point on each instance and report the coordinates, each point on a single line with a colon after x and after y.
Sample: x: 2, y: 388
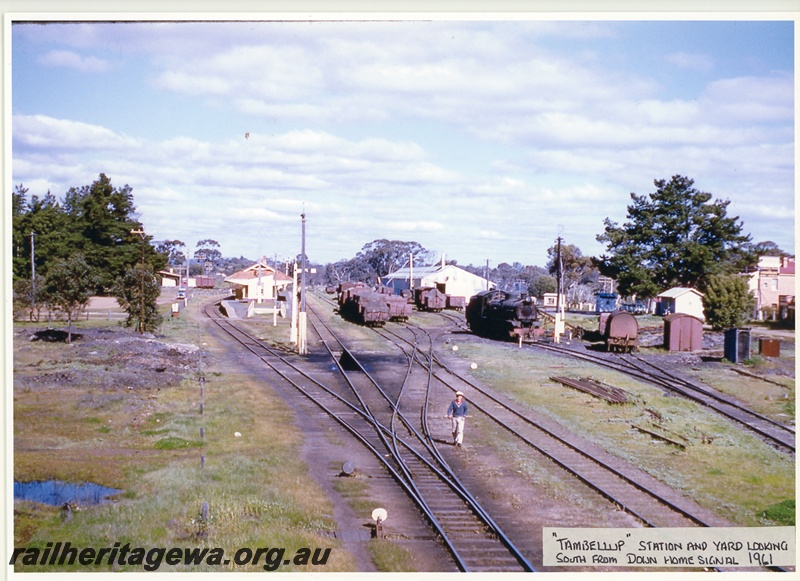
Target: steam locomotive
x: 501, y: 315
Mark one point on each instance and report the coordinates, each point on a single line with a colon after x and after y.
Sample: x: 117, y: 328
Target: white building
x: 258, y: 282
x: 448, y: 279
x: 550, y: 300
x: 681, y: 300
x: 169, y: 278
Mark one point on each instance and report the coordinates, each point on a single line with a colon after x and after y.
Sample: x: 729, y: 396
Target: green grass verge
x: 145, y: 440
x: 723, y: 467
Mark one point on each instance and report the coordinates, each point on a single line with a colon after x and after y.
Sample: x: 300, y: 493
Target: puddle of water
x: 56, y: 493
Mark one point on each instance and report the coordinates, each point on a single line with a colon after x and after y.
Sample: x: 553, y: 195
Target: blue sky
x: 480, y: 139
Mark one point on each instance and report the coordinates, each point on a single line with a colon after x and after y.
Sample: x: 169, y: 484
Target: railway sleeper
x: 659, y: 437
x: 458, y: 516
x: 482, y: 564
x: 464, y: 533
x: 586, y: 385
x: 512, y: 566
x: 473, y: 527
x: 445, y: 502
x: 494, y: 550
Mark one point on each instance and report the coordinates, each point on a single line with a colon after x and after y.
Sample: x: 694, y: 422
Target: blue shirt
x: 456, y: 410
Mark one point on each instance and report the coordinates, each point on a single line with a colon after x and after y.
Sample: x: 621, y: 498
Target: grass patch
x: 173, y: 443
x: 391, y: 558
x: 774, y: 399
x: 140, y: 432
x: 388, y: 557
x: 355, y: 491
x: 782, y: 513
x: 723, y: 467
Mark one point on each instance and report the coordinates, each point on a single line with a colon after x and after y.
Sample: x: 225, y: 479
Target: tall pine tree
x: 676, y: 236
x: 95, y: 221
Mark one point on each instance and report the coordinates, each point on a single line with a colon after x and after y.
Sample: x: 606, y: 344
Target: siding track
x: 779, y: 435
x: 393, y: 420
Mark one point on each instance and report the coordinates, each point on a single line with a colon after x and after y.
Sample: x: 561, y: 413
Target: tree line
x: 676, y: 236
x: 89, y: 242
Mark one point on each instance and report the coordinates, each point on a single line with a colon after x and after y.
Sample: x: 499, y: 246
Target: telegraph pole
x: 293, y: 337
x: 259, y: 291
x: 411, y: 273
x: 559, y: 322
x: 275, y: 290
x: 33, y: 275
x: 302, y: 348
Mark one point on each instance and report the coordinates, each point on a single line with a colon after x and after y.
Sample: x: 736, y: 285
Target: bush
x: 727, y: 302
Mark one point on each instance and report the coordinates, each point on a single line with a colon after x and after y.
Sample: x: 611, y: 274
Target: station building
x: 448, y: 278
x: 259, y: 282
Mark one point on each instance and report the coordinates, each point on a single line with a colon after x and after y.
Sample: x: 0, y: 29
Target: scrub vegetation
x: 113, y: 410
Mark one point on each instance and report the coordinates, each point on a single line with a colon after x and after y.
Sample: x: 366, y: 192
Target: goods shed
x: 448, y: 279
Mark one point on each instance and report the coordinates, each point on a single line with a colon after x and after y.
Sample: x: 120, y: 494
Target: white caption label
x: 670, y: 547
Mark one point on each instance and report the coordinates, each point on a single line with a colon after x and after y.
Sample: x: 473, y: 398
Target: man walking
x: 457, y: 414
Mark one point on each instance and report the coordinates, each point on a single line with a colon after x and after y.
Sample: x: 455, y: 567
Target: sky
x: 480, y: 139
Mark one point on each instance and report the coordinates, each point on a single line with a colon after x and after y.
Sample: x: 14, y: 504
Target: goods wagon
x: 621, y: 331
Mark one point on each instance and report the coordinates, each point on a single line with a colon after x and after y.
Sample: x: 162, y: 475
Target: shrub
x: 727, y: 302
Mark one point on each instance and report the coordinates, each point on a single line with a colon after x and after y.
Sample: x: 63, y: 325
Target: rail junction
x: 396, y: 422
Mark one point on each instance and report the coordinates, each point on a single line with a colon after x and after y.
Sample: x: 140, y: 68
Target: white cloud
x: 274, y: 73
x: 693, y: 62
x: 747, y: 100
x: 420, y: 226
x: 473, y: 137
x: 73, y: 60
x: 500, y: 185
x: 41, y: 131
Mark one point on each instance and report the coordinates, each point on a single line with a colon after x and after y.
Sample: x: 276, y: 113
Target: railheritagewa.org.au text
x: 151, y: 559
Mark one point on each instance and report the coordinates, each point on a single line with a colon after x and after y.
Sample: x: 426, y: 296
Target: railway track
x: 392, y: 421
x: 650, y: 501
x: 372, y: 415
x: 779, y: 435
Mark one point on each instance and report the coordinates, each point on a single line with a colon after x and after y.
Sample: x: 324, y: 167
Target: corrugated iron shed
x: 683, y: 332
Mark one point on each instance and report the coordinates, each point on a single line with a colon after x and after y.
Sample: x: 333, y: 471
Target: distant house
x: 257, y: 282
x: 169, y: 278
x: 550, y: 300
x: 772, y: 285
x: 681, y: 300
x: 448, y: 279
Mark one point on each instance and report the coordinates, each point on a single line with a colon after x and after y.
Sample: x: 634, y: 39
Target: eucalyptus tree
x: 68, y: 286
x: 386, y: 256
